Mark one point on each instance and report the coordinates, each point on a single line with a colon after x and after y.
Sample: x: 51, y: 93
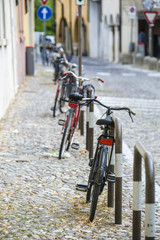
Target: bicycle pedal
x: 61, y: 122
x: 52, y: 108
x: 81, y: 187
x: 75, y: 146
x: 90, y: 162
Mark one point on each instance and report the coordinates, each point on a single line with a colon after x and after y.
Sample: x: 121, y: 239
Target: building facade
x: 13, y: 40
x: 114, y: 29
x: 67, y: 26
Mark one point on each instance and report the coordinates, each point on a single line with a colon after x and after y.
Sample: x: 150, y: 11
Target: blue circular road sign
x: 44, y: 13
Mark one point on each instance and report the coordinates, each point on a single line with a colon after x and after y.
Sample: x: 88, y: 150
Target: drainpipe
x: 30, y: 23
x: 120, y: 23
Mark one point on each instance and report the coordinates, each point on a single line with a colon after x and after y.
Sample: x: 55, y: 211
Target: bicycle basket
x: 69, y: 88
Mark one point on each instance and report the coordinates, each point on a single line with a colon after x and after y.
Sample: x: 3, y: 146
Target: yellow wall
x: 27, y: 25
x: 70, y: 7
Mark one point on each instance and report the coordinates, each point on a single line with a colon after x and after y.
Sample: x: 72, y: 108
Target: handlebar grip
x: 131, y: 111
x: 101, y: 80
x: 64, y: 73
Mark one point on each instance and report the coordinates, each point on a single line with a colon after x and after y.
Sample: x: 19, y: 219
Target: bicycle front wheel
x: 99, y: 182
x: 55, y: 108
x: 66, y: 135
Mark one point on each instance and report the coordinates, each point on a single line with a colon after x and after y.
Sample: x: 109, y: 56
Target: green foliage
x: 50, y: 23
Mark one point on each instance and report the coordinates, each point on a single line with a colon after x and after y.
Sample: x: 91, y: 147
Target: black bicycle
x: 66, y: 85
x: 100, y: 165
x: 100, y: 171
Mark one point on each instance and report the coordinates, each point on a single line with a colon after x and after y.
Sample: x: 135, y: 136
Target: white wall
x: 94, y: 35
x: 8, y: 54
x: 109, y: 39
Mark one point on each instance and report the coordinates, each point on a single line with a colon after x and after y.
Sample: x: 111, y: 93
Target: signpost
x: 132, y: 16
x: 151, y: 18
x: 79, y: 3
x: 44, y: 13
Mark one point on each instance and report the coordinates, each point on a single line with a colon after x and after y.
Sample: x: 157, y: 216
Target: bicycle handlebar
x: 82, y: 79
x: 78, y: 97
x: 109, y: 107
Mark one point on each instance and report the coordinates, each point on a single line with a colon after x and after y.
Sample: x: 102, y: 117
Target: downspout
x: 120, y: 22
x: 30, y: 23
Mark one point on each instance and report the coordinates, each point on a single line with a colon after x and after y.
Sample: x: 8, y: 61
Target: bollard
x: 118, y: 169
x: 81, y: 121
x: 91, y: 125
x: 139, y: 153
x: 118, y: 172
x: 87, y: 124
x: 111, y: 185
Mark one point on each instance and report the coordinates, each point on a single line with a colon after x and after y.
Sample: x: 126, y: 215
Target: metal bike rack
x: 118, y: 169
x: 139, y: 153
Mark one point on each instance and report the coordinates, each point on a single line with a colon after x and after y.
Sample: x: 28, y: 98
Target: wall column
x: 116, y: 42
x: 111, y: 43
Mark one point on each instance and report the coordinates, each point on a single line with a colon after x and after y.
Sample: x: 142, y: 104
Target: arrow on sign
x: 150, y: 16
x: 44, y: 12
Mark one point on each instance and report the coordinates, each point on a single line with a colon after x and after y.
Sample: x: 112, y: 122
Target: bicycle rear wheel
x: 66, y: 135
x: 92, y: 174
x: 99, y: 182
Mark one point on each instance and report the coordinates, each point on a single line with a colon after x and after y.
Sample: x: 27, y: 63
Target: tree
x: 50, y: 23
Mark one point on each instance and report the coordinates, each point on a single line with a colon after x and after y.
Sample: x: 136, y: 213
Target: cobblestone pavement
x: 38, y: 196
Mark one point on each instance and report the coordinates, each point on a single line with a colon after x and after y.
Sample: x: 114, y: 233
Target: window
x: 4, y: 19
x: 26, y: 6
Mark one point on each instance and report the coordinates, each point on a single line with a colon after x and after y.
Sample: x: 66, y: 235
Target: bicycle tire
x: 74, y: 123
x: 99, y: 182
x: 91, y: 177
x: 66, y: 135
x: 63, y: 106
x: 55, y: 107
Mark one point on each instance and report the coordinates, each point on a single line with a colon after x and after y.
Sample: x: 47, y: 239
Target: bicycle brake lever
x: 131, y: 116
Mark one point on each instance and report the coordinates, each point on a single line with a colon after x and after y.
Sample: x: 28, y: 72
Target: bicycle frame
x: 75, y: 117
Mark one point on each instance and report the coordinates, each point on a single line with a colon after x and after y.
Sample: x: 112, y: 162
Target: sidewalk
x: 38, y: 196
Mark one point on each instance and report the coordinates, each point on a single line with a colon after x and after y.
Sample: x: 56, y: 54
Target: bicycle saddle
x: 75, y: 96
x: 105, y: 121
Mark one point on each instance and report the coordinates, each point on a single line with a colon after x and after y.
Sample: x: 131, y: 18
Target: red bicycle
x: 71, y: 122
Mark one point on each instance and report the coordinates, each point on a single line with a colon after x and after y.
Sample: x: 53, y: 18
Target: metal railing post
x: 118, y: 172
x: 118, y: 169
x: 91, y: 126
x: 87, y: 122
x: 139, y: 153
x: 81, y: 121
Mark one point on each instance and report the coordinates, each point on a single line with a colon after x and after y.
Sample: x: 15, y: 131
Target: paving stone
x: 38, y: 195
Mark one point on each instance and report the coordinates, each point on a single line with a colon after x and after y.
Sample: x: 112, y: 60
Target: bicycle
x: 100, y: 165
x: 61, y: 64
x: 64, y: 88
x: 70, y: 124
